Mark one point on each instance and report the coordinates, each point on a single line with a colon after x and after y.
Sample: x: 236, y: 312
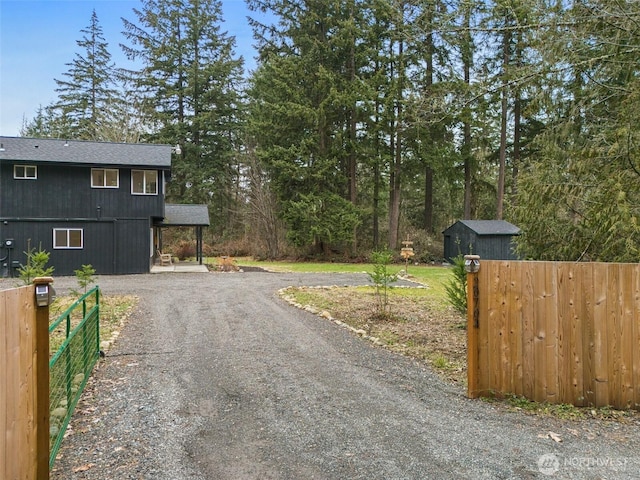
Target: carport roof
x: 176, y: 215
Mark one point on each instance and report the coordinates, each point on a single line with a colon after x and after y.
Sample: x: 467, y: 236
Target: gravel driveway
x: 215, y: 377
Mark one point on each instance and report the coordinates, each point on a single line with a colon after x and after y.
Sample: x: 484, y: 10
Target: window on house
x: 144, y: 182
x: 104, y: 178
x: 25, y: 172
x: 67, y: 238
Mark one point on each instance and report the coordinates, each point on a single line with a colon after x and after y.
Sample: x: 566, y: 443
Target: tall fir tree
x: 88, y: 90
x: 190, y: 85
x: 306, y: 107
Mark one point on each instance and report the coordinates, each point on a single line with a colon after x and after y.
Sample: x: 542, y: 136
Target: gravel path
x: 215, y: 377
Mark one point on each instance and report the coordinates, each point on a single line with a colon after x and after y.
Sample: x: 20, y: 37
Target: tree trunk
x: 504, y: 111
x: 428, y: 173
x: 466, y: 126
x: 428, y: 199
x: 517, y: 128
x: 353, y: 192
x: 376, y: 200
x: 396, y: 169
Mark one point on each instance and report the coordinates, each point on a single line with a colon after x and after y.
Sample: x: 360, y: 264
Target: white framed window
x: 68, y: 238
x: 144, y: 182
x: 25, y: 172
x: 105, y: 178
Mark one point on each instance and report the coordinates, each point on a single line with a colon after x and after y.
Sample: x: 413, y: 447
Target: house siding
x: 66, y: 192
x: 110, y: 246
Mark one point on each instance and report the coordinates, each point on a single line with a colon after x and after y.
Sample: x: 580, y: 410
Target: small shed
x: 491, y: 239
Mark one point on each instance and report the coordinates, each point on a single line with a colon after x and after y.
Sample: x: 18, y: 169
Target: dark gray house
x: 491, y: 239
x: 83, y: 202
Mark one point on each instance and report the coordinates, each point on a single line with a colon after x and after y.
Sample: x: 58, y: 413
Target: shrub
x: 183, y: 249
x: 36, y: 264
x: 85, y: 276
x: 456, y: 287
x: 427, y: 248
x: 382, y: 278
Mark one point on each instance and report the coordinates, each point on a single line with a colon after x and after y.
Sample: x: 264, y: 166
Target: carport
x: 177, y: 215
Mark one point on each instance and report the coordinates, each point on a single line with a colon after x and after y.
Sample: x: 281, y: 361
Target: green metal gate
x: 72, y: 363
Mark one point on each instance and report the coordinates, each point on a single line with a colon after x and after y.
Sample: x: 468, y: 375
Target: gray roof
x: 185, y: 215
x: 490, y: 227
x: 48, y: 150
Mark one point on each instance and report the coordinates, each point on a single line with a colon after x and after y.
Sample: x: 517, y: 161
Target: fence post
x: 472, y: 265
x: 42, y: 288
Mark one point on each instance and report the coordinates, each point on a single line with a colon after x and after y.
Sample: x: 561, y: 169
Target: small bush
x: 456, y: 287
x: 85, y: 276
x: 36, y: 264
x: 382, y: 278
x: 183, y: 249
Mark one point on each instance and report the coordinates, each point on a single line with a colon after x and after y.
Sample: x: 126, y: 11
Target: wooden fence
x: 24, y: 386
x: 558, y: 332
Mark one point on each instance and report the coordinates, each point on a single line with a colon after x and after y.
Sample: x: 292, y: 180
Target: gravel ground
x: 215, y: 377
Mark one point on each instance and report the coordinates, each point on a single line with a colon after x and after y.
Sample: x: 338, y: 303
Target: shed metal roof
x: 48, y: 150
x: 185, y: 215
x: 490, y: 227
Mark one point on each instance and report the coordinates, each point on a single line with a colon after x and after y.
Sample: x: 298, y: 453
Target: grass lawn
x: 434, y: 276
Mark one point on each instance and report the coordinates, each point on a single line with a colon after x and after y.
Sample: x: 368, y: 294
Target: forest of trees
x: 367, y: 122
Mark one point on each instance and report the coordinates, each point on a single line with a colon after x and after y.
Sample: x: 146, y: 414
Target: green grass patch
x: 389, y: 338
x: 561, y: 410
x: 433, y: 277
x: 114, y: 309
x: 440, y: 361
x: 309, y: 267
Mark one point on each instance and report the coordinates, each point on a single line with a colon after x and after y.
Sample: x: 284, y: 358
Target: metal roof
x: 48, y: 150
x: 185, y: 215
x: 490, y: 227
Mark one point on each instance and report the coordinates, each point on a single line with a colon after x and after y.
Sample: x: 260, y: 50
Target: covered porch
x: 177, y: 215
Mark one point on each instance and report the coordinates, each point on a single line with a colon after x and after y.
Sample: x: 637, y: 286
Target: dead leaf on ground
x: 555, y: 437
x: 84, y: 468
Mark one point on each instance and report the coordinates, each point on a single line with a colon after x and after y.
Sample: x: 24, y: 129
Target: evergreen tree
x: 583, y: 182
x: 87, y: 91
x: 306, y: 108
x: 429, y: 150
x: 190, y: 85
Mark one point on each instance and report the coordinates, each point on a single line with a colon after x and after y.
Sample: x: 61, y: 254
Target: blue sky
x: 38, y: 37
